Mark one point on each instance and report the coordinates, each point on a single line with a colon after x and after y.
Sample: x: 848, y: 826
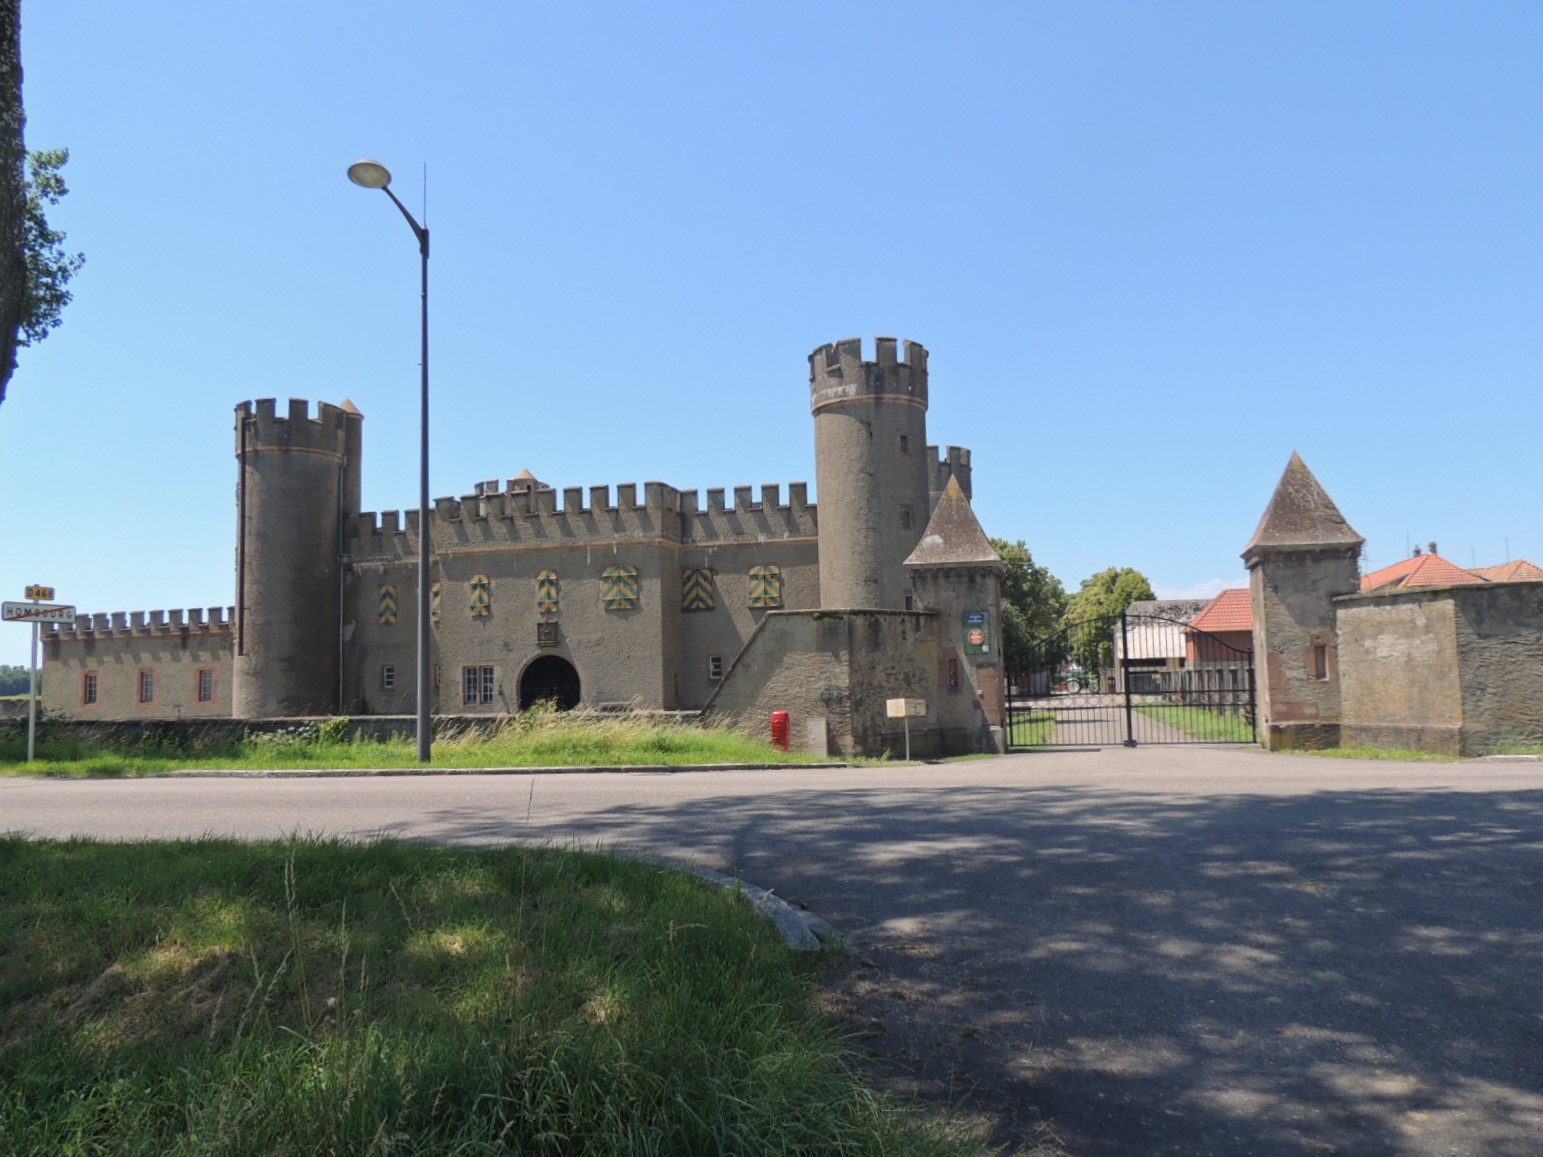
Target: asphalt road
x: 1198, y: 951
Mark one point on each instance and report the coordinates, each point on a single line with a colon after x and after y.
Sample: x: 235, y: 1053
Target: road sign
x: 905, y: 708
x: 37, y: 613
x: 41, y: 594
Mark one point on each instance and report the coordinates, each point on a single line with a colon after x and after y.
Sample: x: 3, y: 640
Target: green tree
x: 1033, y: 601
x: 49, y: 268
x: 1101, y: 597
x: 35, y: 270
x: 14, y: 680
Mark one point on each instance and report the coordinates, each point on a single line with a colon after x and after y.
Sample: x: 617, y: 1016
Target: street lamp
x: 374, y: 175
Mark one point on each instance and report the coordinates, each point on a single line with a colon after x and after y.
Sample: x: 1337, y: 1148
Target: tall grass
x: 311, y: 997
x: 536, y: 738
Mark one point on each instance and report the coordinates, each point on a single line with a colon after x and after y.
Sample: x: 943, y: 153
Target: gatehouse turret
x: 297, y: 490
x: 873, y: 469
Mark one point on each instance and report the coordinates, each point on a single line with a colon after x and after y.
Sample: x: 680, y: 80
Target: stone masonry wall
x: 172, y: 647
x: 1456, y: 670
x: 1398, y: 664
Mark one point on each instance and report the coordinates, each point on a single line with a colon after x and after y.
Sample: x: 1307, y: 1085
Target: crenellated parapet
x: 125, y: 624
x: 952, y: 462
x: 838, y: 374
x: 333, y: 432
x: 519, y: 512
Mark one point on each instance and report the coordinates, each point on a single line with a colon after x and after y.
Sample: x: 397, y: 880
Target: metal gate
x: 1130, y: 679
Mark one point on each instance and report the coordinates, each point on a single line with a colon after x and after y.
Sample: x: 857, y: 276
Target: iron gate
x: 1130, y: 679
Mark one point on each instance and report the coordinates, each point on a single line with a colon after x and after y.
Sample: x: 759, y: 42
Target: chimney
x: 1431, y: 546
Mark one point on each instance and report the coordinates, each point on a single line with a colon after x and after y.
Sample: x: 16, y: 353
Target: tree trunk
x: 13, y: 190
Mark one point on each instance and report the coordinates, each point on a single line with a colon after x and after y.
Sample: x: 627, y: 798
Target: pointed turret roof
x: 953, y: 536
x: 1301, y: 515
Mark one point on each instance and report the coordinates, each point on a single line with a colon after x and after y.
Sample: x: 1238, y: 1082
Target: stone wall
x: 1398, y: 664
x: 172, y: 648
x: 838, y: 669
x: 1456, y: 670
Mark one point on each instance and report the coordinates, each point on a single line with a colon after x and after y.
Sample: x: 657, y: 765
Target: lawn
x: 1032, y: 730
x: 306, y: 997
x: 1201, y: 724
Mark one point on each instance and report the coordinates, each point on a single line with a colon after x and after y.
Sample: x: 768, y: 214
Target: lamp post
x: 374, y: 175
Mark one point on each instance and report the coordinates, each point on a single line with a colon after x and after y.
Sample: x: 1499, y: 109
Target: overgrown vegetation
x: 539, y: 737
x: 320, y: 997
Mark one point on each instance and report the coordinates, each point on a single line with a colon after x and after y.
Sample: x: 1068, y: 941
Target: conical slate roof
x: 953, y: 536
x: 1300, y: 515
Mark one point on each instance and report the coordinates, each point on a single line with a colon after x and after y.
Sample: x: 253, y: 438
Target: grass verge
x: 1199, y: 723
x: 1398, y: 753
x: 535, y: 738
x: 307, y: 997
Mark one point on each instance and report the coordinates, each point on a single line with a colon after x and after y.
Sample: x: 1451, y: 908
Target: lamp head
x: 369, y: 174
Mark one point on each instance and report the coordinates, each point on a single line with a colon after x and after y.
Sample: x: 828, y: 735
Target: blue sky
x: 1152, y: 249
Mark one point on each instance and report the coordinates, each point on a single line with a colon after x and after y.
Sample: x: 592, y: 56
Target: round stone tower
x: 872, y: 470
x: 297, y: 484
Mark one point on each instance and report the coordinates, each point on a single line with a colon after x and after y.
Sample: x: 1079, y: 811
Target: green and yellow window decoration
x: 481, y: 588
x: 546, y: 592
x: 765, y: 586
x: 619, y: 588
x: 696, y: 589
x: 385, y: 608
x: 435, y: 604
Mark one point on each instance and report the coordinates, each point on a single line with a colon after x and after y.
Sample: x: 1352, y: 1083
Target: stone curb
x: 803, y: 931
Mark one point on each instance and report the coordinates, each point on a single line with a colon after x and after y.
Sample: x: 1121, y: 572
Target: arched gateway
x: 550, y: 678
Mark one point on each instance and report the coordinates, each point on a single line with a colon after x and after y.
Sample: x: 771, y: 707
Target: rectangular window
x: 905, y: 518
x: 1320, y: 661
x: 905, y: 443
x: 476, y: 685
x: 204, y: 691
x: 387, y: 677
x: 147, y: 686
x: 88, y: 688
x: 715, y: 667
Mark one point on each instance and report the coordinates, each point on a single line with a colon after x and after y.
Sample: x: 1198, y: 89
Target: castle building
x: 661, y: 599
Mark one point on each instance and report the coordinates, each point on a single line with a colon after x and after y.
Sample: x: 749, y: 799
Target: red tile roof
x: 1232, y: 610
x: 1423, y: 570
x: 1520, y: 571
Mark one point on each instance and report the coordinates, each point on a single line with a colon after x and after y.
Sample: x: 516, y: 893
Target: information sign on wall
x: 977, y: 633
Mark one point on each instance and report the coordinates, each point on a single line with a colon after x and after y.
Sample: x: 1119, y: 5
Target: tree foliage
x: 49, y: 268
x: 1033, y: 601
x: 35, y: 269
x: 1101, y: 597
x: 15, y: 680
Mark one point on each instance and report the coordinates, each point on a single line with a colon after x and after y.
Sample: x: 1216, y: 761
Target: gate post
x: 1123, y: 674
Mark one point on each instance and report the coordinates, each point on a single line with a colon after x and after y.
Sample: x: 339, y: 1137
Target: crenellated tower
x: 298, y: 490
x: 873, y: 469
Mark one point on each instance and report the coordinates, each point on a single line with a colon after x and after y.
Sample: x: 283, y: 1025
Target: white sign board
x: 903, y: 708
x: 37, y: 613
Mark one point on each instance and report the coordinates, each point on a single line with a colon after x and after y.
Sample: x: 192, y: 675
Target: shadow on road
x: 1331, y: 973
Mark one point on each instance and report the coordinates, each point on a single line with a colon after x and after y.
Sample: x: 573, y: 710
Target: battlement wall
x: 519, y: 513
x: 334, y: 431
x: 838, y: 373
x: 210, y: 621
x: 952, y: 462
